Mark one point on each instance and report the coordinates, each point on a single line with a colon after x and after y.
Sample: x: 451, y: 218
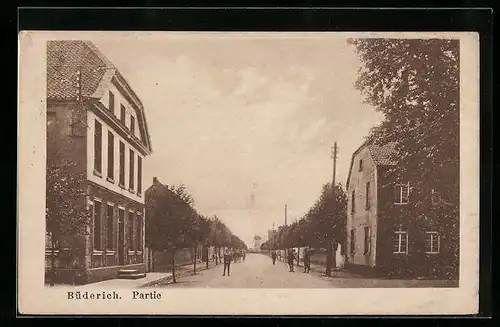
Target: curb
x: 168, y: 279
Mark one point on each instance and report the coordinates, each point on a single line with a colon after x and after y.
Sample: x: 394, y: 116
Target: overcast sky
x: 234, y: 115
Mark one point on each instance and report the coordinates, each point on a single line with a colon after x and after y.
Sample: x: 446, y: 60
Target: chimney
x: 155, y: 180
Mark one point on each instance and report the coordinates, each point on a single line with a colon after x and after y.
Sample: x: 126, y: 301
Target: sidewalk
x: 151, y: 279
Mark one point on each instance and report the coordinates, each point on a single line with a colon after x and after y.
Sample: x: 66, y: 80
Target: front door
x: 121, y: 238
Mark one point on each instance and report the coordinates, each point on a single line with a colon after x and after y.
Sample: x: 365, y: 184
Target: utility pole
x: 330, y: 255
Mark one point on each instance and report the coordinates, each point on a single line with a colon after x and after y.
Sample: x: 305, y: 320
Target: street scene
x: 252, y: 161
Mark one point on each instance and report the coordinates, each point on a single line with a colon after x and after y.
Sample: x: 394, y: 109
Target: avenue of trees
x: 172, y: 223
x: 323, y: 226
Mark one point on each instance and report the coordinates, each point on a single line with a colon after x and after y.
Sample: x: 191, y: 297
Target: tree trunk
x: 328, y: 256
x: 216, y: 256
x: 173, y: 266
x: 194, y: 257
x: 334, y: 255
x: 206, y: 250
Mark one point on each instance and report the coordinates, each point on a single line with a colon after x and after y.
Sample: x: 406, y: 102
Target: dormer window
x: 111, y: 105
x: 360, y: 164
x: 132, y: 125
x: 122, y: 114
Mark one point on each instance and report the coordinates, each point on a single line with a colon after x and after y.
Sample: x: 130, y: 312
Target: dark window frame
x: 131, y: 170
x: 367, y: 195
x: 130, y: 231
x: 97, y: 225
x: 132, y: 125
x: 110, y: 233
x: 111, y: 102
x: 367, y: 239
x: 139, y: 175
x: 123, y: 114
x: 98, y: 148
x: 111, y: 157
x: 121, y: 178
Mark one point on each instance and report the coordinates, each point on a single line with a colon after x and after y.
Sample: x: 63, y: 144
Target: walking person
x: 273, y: 256
x: 291, y: 258
x: 228, y: 257
x: 307, y: 260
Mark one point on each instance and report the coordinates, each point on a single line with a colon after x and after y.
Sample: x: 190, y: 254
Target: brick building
x: 96, y: 121
x: 384, y: 231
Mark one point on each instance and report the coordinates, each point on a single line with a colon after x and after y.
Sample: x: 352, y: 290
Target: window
x: 367, y: 240
x: 122, y: 114
x: 400, y: 241
x: 130, y: 232
x: 98, y: 148
x: 353, y: 241
x: 132, y: 125
x: 367, y: 197
x: 353, y: 202
x: 111, y: 156
x: 139, y: 175
x: 111, y: 106
x: 109, y: 228
x: 432, y: 242
x: 122, y: 164
x: 97, y: 226
x: 402, y: 194
x: 138, y: 228
x: 131, y: 170
x: 360, y: 164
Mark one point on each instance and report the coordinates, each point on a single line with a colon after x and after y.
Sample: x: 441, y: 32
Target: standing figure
x: 273, y: 256
x: 227, y: 261
x: 244, y: 255
x: 291, y: 258
x: 307, y: 260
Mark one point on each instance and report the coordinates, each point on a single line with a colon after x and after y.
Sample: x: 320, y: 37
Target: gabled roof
x: 380, y: 154
x: 66, y: 58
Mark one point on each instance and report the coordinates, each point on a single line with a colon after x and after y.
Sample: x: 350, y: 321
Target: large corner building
x: 96, y: 122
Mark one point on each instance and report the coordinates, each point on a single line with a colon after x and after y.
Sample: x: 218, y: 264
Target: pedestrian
x: 291, y: 258
x: 307, y: 260
x: 273, y: 256
x: 244, y: 255
x: 227, y: 261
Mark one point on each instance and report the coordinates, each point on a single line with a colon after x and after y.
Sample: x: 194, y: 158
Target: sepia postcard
x: 217, y: 173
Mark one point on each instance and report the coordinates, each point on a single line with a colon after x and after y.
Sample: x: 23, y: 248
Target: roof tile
x: 381, y: 154
x: 64, y: 59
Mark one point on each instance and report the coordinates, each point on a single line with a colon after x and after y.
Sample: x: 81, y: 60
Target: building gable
x: 78, y: 69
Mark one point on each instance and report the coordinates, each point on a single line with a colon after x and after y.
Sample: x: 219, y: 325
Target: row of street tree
x: 172, y: 224
x: 323, y: 226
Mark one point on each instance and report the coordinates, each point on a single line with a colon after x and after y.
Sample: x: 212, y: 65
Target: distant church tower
x: 256, y: 242
x: 251, y: 205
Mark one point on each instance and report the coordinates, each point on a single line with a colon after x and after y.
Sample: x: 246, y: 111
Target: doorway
x: 121, y: 237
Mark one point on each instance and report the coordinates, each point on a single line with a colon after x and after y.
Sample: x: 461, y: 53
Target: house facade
x: 97, y: 122
x: 384, y: 231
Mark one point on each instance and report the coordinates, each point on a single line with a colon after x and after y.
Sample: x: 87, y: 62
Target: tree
x: 415, y: 85
x: 181, y: 191
x: 170, y: 221
x: 66, y: 213
x: 327, y: 220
